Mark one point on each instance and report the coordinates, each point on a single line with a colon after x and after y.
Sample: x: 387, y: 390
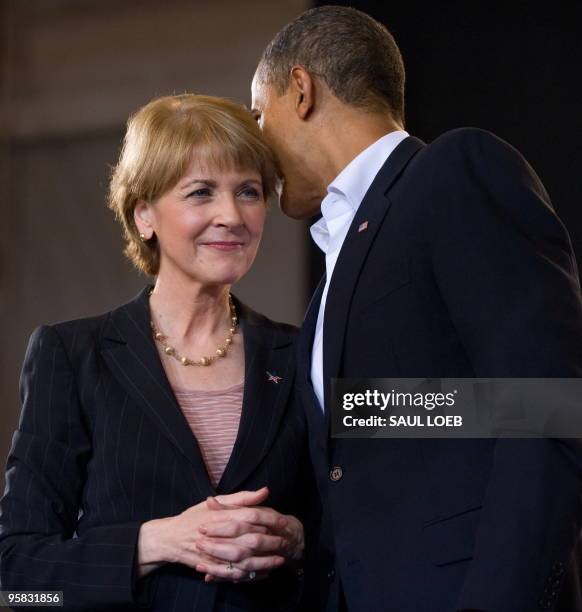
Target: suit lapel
x: 269, y: 376
x: 129, y: 350
x: 313, y: 411
x: 369, y: 216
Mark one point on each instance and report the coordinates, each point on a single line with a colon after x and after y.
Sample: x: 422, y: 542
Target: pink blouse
x: 214, y: 417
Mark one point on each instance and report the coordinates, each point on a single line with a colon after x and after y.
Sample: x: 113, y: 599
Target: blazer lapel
x: 128, y: 348
x: 313, y: 411
x: 369, y: 216
x: 269, y: 376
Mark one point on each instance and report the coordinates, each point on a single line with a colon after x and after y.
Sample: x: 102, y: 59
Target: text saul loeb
x: 404, y: 421
x: 377, y: 399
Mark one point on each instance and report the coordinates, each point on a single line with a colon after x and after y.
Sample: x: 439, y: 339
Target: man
x: 442, y: 260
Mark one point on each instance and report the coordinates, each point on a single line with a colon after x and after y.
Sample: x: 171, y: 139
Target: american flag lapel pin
x: 273, y: 378
x: 363, y: 226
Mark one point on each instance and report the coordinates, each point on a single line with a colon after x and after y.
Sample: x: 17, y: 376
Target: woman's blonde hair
x: 158, y: 147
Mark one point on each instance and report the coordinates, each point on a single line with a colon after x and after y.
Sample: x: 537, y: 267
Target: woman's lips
x: 224, y: 246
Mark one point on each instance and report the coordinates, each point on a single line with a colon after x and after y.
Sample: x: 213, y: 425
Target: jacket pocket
x: 452, y: 539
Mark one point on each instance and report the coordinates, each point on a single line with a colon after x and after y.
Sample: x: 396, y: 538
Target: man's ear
x: 142, y: 215
x: 303, y: 90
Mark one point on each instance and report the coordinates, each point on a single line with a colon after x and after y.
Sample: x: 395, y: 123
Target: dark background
x: 512, y: 68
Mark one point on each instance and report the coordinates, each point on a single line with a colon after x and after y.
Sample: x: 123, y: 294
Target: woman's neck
x: 187, y: 310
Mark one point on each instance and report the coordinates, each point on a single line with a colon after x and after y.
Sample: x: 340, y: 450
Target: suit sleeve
x: 506, y: 271
x: 45, y: 474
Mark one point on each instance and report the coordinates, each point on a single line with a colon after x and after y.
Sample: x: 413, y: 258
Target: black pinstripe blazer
x: 102, y: 446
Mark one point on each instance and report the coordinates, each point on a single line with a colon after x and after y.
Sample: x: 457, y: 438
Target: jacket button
x: 336, y: 473
x: 545, y: 604
x: 331, y: 574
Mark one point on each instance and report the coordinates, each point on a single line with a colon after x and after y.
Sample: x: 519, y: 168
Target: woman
x: 134, y: 421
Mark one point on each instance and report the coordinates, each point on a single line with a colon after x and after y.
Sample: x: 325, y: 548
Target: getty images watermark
x: 456, y: 408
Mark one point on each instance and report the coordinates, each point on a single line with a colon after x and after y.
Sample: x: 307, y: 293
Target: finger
x: 221, y: 570
x: 244, y: 498
x: 213, y: 504
x: 240, y: 570
x: 230, y: 529
x: 258, y: 577
x: 253, y: 542
x: 223, y: 551
x: 261, y: 543
x: 261, y: 564
x: 191, y: 559
x: 257, y: 516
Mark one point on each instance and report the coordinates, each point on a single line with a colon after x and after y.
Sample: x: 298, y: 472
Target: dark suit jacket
x: 464, y: 270
x: 102, y: 446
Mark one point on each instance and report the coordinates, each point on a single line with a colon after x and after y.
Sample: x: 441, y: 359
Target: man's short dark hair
x: 354, y: 54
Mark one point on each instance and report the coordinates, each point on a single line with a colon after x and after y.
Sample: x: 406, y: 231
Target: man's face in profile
x: 278, y: 120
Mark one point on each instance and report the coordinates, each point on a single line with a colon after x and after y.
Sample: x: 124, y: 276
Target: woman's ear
x: 142, y: 215
x: 303, y: 89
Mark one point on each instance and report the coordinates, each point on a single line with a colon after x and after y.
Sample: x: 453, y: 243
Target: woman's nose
x: 229, y: 213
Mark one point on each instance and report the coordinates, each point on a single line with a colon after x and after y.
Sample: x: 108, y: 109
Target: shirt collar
x: 346, y: 192
x: 355, y: 179
x: 337, y: 213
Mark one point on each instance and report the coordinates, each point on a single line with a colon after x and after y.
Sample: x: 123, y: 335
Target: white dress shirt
x: 344, y: 196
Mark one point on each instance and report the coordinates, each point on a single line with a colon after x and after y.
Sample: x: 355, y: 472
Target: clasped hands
x: 227, y: 537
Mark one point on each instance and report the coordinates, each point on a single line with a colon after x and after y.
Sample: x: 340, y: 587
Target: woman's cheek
x: 259, y: 222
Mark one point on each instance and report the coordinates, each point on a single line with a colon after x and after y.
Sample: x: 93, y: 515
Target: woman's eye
x: 200, y: 193
x: 250, y: 192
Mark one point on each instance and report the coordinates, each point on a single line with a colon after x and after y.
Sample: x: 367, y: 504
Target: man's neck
x: 350, y: 133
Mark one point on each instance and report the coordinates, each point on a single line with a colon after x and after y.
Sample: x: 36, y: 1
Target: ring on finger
x: 252, y: 575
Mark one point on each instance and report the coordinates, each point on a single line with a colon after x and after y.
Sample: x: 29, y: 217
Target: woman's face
x: 208, y: 225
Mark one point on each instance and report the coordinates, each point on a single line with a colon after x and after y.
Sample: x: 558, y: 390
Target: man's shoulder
x: 469, y: 141
x: 465, y: 138
x: 456, y: 151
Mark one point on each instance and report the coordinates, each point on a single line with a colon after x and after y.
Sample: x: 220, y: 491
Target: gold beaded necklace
x: 203, y: 361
